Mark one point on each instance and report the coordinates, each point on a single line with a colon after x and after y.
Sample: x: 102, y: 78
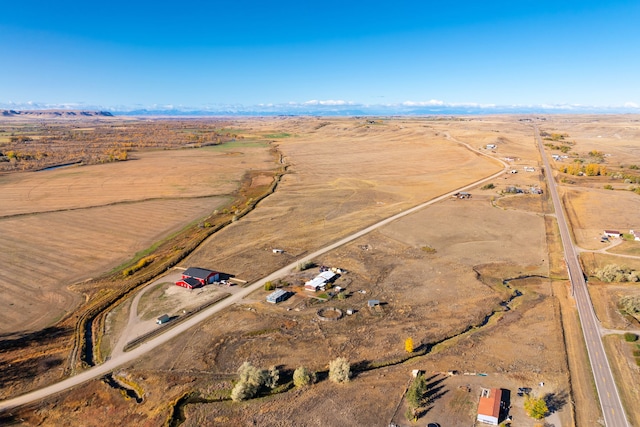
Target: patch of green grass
x: 278, y: 135
x: 244, y: 143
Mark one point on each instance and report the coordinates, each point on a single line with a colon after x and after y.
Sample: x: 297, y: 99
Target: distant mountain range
x: 311, y: 108
x: 54, y: 113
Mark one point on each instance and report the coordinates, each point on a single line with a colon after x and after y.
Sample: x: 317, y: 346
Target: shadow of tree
x: 16, y: 341
x: 27, y: 369
x: 9, y: 420
x: 556, y: 401
x: 434, y: 391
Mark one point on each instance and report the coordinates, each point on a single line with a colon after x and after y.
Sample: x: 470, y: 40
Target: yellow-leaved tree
x: 408, y: 345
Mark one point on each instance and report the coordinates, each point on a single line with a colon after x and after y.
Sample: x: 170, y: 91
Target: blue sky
x: 199, y: 54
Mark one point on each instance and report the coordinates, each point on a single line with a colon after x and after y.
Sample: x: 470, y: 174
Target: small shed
x: 373, y: 303
x: 163, y: 319
x: 277, y: 296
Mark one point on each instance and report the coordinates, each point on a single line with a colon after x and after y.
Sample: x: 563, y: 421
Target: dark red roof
x: 198, y: 273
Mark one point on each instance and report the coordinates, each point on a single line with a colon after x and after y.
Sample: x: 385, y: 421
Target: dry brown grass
x: 346, y: 174
x: 63, y: 226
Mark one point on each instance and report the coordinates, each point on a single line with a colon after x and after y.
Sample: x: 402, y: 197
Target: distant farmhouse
x: 319, y: 283
x: 612, y: 233
x: 635, y: 234
x: 194, y: 277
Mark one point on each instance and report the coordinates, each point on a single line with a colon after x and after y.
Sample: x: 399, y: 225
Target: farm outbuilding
x: 202, y: 275
x: 194, y: 277
x: 319, y: 283
x: 277, y: 296
x: 189, y: 283
x: 489, y: 406
x: 612, y: 233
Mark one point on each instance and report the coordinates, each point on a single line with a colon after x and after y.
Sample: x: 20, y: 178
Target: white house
x: 635, y: 234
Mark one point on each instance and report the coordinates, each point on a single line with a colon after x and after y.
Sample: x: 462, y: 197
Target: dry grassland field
x: 60, y: 227
x: 478, y: 283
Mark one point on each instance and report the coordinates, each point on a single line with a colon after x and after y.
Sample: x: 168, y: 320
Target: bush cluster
x: 252, y: 380
x: 139, y: 266
x: 616, y: 273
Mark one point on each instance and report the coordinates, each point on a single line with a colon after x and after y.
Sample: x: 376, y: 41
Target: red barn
x: 194, y: 277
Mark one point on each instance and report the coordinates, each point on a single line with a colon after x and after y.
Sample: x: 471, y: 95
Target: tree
x: 536, y: 407
x: 408, y: 345
x: 303, y: 377
x: 272, y: 377
x: 416, y: 392
x: 339, y: 370
x: 250, y: 380
x: 269, y: 286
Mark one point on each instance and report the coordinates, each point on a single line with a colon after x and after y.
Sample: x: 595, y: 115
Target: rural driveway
x: 127, y: 357
x: 610, y: 403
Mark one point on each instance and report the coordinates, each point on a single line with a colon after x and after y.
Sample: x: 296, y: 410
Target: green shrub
x: 305, y: 265
x: 489, y: 186
x: 303, y: 377
x: 269, y: 286
x: 616, y: 273
x: 630, y: 337
x: 339, y: 370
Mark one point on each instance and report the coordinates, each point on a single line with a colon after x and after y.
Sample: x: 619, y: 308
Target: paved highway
x: 124, y: 358
x: 612, y: 411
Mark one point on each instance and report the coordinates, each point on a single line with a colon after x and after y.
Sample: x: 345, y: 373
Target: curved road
x: 124, y: 358
x: 612, y: 410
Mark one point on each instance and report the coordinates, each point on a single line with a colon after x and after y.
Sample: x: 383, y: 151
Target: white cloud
x: 330, y: 102
x: 431, y: 103
x: 631, y: 105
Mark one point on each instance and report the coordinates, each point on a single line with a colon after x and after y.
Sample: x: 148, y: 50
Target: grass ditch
x: 624, y: 374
